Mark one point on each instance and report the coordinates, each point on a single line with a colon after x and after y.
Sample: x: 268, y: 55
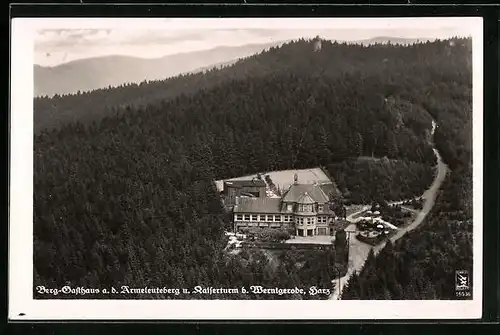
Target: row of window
x: 277, y: 218
x: 308, y: 221
x: 305, y: 208
x: 263, y: 217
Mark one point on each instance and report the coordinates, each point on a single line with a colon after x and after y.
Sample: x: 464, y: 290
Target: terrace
x: 284, y: 178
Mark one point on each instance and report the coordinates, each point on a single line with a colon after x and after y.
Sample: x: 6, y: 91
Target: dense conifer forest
x: 125, y: 195
x: 422, y: 264
x: 429, y: 61
x: 388, y: 179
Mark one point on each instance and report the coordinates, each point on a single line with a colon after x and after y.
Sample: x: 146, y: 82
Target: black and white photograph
x: 319, y: 168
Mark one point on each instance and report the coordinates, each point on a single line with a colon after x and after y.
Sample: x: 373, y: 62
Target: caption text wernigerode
x: 68, y: 290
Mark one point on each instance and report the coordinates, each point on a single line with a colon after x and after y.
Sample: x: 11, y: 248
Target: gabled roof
x: 305, y: 198
x: 244, y: 183
x: 314, y: 191
x: 258, y: 205
x: 330, y: 188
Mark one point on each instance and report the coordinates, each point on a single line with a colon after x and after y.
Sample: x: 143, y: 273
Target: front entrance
x: 321, y: 231
x: 310, y: 232
x: 331, y: 231
x: 300, y: 232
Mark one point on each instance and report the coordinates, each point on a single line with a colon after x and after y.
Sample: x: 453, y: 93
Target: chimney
x: 296, y: 179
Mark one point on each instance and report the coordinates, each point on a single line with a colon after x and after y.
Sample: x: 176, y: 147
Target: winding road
x: 358, y: 251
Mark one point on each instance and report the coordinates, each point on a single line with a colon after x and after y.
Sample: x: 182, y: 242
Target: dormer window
x: 306, y: 203
x: 289, y: 207
x: 306, y: 208
x: 320, y: 208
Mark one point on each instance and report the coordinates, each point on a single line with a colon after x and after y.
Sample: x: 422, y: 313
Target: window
x: 277, y: 218
x: 320, y: 208
x: 269, y: 218
x: 262, y: 218
x: 239, y: 217
x: 306, y: 208
x: 247, y: 217
x: 254, y: 217
x: 289, y: 207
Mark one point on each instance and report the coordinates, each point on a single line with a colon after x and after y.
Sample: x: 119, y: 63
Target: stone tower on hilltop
x: 317, y: 44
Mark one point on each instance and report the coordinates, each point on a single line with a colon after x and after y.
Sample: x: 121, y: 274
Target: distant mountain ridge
x: 114, y: 70
x: 101, y: 72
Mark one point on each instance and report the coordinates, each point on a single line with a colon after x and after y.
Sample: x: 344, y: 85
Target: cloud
x: 77, y: 39
x: 165, y: 37
x: 64, y: 38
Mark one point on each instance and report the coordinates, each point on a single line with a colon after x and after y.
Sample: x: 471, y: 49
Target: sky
x: 60, y: 41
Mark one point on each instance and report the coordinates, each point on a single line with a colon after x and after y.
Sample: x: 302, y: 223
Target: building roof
x: 244, y: 183
x: 258, y: 205
x: 314, y: 191
x: 330, y: 188
x: 305, y: 198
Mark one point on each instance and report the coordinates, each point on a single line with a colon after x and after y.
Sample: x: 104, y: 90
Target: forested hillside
x: 363, y: 180
x: 129, y: 199
x: 429, y: 62
x: 422, y: 264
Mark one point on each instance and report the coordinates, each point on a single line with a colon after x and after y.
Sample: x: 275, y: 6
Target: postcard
x: 246, y: 169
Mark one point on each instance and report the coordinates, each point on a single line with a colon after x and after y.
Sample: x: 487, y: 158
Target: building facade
x: 238, y: 188
x: 303, y: 208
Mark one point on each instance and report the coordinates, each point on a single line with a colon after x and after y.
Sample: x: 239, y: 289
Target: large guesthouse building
x: 303, y: 208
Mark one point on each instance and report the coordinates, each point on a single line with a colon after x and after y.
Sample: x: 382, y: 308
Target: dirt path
x: 358, y: 251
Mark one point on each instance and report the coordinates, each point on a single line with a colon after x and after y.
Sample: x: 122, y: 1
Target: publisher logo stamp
x: 462, y: 283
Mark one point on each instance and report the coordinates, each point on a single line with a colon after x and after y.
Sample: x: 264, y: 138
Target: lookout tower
x: 317, y: 44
